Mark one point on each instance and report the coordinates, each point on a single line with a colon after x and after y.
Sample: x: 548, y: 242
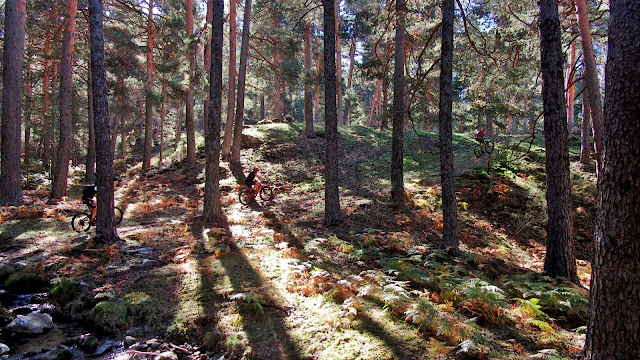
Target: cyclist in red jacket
x: 480, y: 136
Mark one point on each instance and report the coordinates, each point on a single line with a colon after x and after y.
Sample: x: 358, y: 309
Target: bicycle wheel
x: 488, y: 147
x: 478, y: 150
x: 118, y: 215
x: 81, y: 222
x: 245, y: 197
x: 266, y: 193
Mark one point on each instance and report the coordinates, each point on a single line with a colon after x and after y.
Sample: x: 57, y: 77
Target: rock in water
x: 33, y: 323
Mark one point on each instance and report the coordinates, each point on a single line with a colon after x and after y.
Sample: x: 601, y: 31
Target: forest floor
x: 273, y: 282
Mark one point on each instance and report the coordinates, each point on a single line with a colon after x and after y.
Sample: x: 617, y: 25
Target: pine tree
x: 105, y: 226
x: 449, y: 210
x: 212, y: 208
x: 560, y: 259
x: 332, y: 213
x: 614, y: 315
x: 12, y: 67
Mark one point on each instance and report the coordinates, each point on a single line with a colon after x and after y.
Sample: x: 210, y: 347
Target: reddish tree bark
x: 61, y: 174
x: 591, y: 79
x: 308, y: 81
x: 189, y: 120
x: 46, y: 103
x: 148, y: 114
x: 585, y: 133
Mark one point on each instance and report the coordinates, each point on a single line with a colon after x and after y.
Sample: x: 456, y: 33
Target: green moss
x: 110, y: 316
x: 25, y: 282
x: 64, y: 291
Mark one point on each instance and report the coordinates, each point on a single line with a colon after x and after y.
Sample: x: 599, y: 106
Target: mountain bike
x: 82, y: 221
x: 485, y: 147
x: 248, y: 195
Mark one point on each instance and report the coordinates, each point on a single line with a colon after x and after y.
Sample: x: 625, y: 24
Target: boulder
x: 4, y: 349
x: 33, y: 323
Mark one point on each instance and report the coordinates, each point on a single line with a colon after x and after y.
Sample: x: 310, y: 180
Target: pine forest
x: 320, y: 179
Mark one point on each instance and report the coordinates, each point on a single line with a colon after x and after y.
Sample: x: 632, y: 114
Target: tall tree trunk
x: 560, y: 259
x: 59, y: 186
x: 123, y: 131
x: 592, y: 82
x: 308, y: 81
x: 316, y: 100
x: 585, y: 133
x: 90, y: 174
x: 28, y: 124
x: 277, y: 90
x: 179, y: 127
x: 54, y: 96
x: 46, y: 103
x: 341, y: 119
x: 397, y: 137
x: 352, y: 58
x: 189, y: 120
x: 163, y: 114
x: 242, y: 75
x: 212, y: 211
x: 231, y: 97
x: 148, y: 114
x: 332, y: 214
x: 571, y: 88
x: 489, y: 122
x: 375, y: 103
x: 614, y: 316
x: 449, y: 205
x: 105, y: 226
x: 385, y: 101
x: 261, y: 106
x: 207, y: 67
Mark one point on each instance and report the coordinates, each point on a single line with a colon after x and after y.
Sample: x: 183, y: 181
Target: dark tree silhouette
x: 332, y: 213
x: 242, y: 77
x: 148, y: 112
x: 10, y: 180
x: 449, y: 210
x: 105, y: 226
x: 559, y: 260
x: 614, y: 316
x: 397, y: 136
x: 212, y: 209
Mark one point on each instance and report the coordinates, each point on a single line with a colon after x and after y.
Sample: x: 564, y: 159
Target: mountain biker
x: 250, y: 181
x: 88, y: 193
x: 481, y: 136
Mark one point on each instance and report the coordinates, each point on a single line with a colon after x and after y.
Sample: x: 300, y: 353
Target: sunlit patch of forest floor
x: 272, y: 282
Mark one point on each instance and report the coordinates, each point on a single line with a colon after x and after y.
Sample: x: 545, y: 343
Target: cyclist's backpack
x: 250, y: 177
x: 89, y: 191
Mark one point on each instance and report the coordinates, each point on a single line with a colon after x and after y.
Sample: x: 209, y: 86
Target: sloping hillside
x: 275, y: 283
